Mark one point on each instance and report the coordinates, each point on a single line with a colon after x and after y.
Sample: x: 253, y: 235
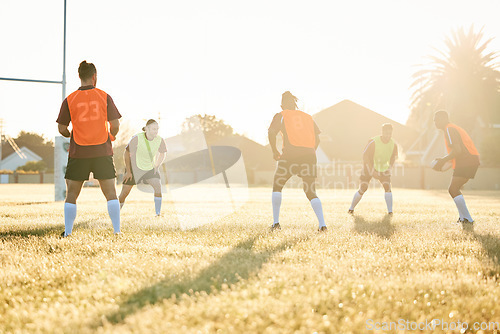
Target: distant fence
x: 339, y: 176
x: 27, y: 178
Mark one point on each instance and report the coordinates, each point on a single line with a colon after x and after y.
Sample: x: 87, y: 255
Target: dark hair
x: 86, y: 70
x: 288, y: 101
x: 387, y: 126
x: 442, y: 113
x: 150, y: 121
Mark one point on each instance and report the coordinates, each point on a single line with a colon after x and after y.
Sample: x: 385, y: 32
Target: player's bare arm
x: 272, y: 142
x: 455, y: 151
x: 114, y: 127
x: 128, y: 165
x: 394, y: 156
x: 63, y: 130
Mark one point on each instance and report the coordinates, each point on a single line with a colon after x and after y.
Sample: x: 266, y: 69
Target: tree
x: 35, y: 142
x: 464, y: 80
x: 212, y: 128
x: 33, y: 166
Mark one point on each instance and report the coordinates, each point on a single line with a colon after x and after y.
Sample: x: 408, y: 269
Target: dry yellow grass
x: 233, y: 276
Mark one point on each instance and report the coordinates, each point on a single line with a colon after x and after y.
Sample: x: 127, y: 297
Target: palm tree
x: 463, y: 80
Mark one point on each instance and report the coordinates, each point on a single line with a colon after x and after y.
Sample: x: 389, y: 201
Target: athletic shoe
x: 276, y: 227
x: 63, y: 235
x: 322, y: 229
x: 390, y: 214
x: 466, y: 221
x: 351, y: 212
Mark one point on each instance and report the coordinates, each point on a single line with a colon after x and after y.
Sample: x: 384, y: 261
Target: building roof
x: 255, y: 155
x: 13, y: 160
x: 346, y: 128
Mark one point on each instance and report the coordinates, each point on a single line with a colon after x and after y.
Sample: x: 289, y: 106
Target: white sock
x: 69, y: 217
x: 276, y: 199
x: 318, y: 210
x: 157, y: 205
x: 121, y: 205
x: 114, y: 214
x: 357, y: 197
x: 462, y: 208
x: 388, y: 201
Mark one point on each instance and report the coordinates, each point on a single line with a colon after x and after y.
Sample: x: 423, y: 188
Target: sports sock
x: 357, y: 197
x: 276, y: 200
x: 114, y: 214
x: 318, y: 210
x: 69, y: 217
x: 157, y: 205
x: 388, y: 201
x: 462, y: 208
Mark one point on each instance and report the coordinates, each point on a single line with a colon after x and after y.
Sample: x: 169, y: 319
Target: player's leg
x: 77, y: 171
x: 104, y: 171
x: 109, y: 191
x: 73, y: 189
x: 386, y: 183
x: 124, y: 193
x: 281, y: 176
x: 127, y: 186
x: 309, y: 185
x: 364, y: 181
x: 457, y: 182
x: 156, y: 184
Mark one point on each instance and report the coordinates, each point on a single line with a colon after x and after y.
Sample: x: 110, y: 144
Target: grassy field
x: 233, y: 276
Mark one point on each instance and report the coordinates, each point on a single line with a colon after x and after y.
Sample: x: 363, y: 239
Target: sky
x: 232, y: 59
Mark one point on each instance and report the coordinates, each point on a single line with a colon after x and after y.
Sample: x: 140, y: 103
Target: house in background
x: 346, y: 128
x: 258, y: 159
x: 14, y: 160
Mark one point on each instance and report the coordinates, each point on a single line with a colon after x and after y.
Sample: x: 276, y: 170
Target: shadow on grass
x: 235, y: 265
x: 381, y: 228
x: 490, y: 244
x: 39, y: 231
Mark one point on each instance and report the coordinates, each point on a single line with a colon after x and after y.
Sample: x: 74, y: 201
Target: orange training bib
x: 299, y: 128
x: 469, y: 145
x: 88, y: 110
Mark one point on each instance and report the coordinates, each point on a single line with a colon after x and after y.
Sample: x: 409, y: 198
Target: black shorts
x: 150, y: 174
x: 468, y: 172
x: 304, y: 168
x: 79, y: 169
x: 367, y: 175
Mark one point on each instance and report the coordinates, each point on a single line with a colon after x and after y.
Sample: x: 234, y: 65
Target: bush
x: 33, y: 166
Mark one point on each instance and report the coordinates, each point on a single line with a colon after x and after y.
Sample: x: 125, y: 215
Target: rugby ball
x: 447, y: 165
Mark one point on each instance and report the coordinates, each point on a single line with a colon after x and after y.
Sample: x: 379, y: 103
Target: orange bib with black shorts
x: 88, y: 110
x: 299, y: 128
x: 467, y: 141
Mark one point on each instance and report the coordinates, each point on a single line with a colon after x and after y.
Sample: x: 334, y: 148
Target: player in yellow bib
x: 378, y: 159
x: 144, y: 154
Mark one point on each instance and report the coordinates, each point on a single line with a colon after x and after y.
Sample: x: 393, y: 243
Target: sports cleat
x: 63, y: 235
x: 390, y: 214
x: 323, y: 229
x: 351, y: 212
x: 466, y: 221
x: 276, y: 227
